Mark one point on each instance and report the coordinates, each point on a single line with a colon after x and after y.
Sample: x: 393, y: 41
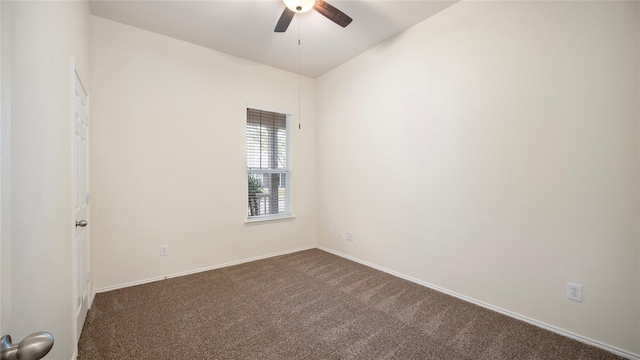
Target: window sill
x: 270, y: 219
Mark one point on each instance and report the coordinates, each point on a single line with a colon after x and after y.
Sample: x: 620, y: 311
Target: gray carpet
x: 307, y: 305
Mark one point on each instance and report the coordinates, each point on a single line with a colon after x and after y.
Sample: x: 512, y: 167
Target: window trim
x: 269, y: 219
x: 273, y: 217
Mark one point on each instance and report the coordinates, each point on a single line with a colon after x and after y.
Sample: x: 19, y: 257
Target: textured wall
x: 493, y: 151
x: 168, y: 156
x: 44, y: 37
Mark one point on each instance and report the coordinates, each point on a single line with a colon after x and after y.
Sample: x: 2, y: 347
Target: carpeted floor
x: 307, y: 305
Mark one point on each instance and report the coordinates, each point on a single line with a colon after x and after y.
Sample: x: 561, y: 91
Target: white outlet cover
x: 574, y: 292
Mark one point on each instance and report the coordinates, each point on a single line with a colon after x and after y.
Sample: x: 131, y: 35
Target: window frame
x: 288, y: 214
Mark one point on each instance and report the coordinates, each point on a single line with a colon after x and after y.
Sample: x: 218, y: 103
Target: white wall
x: 168, y: 156
x: 493, y: 151
x: 44, y: 38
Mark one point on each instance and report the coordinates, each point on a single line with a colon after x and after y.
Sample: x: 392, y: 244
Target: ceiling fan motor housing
x: 299, y: 6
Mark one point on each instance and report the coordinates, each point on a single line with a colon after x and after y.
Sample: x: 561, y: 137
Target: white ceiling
x: 245, y: 27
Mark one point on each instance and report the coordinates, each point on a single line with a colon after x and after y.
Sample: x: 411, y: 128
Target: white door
x: 81, y: 199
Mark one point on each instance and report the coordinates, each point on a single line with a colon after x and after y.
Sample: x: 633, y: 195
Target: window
x: 268, y: 174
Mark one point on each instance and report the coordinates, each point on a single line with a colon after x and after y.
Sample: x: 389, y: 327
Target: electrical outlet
x: 349, y: 236
x: 164, y: 250
x: 331, y: 231
x: 574, y: 292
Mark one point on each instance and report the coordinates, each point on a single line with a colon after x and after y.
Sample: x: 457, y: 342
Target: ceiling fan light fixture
x: 299, y: 6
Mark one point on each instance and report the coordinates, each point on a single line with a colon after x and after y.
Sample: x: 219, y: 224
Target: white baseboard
x: 508, y: 313
x: 91, y: 298
x: 214, y: 267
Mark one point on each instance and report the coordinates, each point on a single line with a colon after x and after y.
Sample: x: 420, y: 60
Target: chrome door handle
x: 81, y: 223
x: 33, y: 347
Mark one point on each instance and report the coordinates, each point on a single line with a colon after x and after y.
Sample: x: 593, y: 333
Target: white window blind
x: 269, y: 178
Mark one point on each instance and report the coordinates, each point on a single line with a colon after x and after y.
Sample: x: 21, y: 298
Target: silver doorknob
x: 81, y: 223
x: 33, y: 347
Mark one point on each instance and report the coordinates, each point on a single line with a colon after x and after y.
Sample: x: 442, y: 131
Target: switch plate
x: 574, y: 292
x: 164, y: 250
x: 349, y: 236
x: 331, y: 231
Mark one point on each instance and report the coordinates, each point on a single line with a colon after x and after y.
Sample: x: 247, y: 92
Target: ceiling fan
x: 300, y: 6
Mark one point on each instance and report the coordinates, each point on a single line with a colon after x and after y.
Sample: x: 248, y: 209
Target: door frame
x: 5, y: 168
x: 74, y: 73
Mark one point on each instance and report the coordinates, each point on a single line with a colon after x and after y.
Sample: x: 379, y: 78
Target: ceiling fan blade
x: 285, y: 20
x: 332, y: 13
